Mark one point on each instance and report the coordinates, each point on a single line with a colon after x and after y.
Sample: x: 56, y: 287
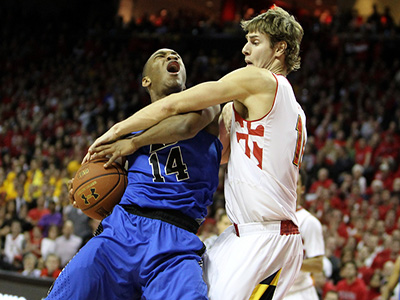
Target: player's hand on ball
x: 113, y: 151
x: 71, y: 193
x: 108, y: 137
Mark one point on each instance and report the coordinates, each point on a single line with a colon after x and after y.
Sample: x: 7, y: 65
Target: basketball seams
x: 105, y: 197
x: 107, y: 174
x: 115, y: 184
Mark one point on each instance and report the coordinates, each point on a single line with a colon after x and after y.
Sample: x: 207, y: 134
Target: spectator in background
x: 81, y: 221
x: 68, y: 243
x: 33, y: 241
x: 36, y: 213
x: 331, y: 295
x: 48, y: 244
x: 52, y: 218
x: 30, y: 265
x: 351, y: 287
x: 14, y: 246
x: 323, y: 181
x: 52, y: 266
x: 374, y: 286
x: 23, y: 218
x: 11, y: 210
x: 363, y: 154
x: 323, y: 284
x: 358, y: 178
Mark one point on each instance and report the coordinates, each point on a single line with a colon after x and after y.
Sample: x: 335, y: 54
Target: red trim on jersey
x: 236, y: 229
x: 239, y: 118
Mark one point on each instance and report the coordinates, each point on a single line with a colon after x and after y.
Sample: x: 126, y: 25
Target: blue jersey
x: 180, y: 176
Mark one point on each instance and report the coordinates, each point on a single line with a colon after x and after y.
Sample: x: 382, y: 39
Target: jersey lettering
x: 173, y: 166
x: 257, y: 151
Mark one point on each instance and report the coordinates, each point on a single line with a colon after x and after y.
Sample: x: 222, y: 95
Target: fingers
x: 111, y: 160
x: 86, y: 158
x: 94, y: 145
x: 70, y: 183
x: 71, y: 192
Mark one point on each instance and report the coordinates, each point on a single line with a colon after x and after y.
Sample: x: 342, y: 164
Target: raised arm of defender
x: 250, y: 85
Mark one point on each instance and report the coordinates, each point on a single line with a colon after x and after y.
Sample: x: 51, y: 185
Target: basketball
x: 97, y: 190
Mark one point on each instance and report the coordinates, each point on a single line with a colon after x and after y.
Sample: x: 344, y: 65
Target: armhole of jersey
x: 239, y: 118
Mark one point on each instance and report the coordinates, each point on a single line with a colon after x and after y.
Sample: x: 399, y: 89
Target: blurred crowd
x: 64, y: 84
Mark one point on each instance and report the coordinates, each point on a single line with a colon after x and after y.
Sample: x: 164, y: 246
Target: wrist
x: 134, y: 144
x: 116, y: 131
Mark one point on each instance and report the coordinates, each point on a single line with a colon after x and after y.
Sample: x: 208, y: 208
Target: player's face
x: 257, y: 50
x: 167, y: 71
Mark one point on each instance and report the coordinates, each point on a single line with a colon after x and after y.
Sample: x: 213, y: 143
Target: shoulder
x: 251, y: 73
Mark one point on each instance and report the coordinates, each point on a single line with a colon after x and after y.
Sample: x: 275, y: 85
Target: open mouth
x: 173, y: 67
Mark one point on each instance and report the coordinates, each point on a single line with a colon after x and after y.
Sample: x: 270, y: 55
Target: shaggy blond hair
x: 280, y: 26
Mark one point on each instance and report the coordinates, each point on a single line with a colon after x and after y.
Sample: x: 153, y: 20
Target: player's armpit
x: 225, y: 121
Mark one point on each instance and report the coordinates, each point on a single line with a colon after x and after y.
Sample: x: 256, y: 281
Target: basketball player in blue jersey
x: 259, y: 256
x: 148, y: 248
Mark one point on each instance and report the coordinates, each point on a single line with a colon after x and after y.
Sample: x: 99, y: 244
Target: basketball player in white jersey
x: 314, y: 249
x: 261, y: 254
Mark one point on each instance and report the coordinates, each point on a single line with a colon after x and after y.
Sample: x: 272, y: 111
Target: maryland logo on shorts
x: 265, y: 290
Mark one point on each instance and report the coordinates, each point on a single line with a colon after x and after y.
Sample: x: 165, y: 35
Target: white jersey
x: 261, y: 178
x: 313, y: 244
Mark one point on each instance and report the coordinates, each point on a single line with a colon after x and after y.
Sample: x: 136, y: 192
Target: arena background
x: 69, y: 69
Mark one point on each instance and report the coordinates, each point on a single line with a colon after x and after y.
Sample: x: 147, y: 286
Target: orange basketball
x: 97, y: 190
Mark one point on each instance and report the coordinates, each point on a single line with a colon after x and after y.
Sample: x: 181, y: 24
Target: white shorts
x: 264, y: 253
x: 309, y: 293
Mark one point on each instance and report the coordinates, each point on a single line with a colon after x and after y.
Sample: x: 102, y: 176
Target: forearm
x: 312, y: 265
x: 196, y: 98
x: 175, y: 128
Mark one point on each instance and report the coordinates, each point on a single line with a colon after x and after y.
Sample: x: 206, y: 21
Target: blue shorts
x: 134, y: 258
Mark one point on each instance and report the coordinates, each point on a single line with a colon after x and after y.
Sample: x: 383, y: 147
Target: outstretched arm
x: 237, y: 85
x: 172, y: 129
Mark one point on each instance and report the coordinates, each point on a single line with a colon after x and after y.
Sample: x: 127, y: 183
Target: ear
x: 281, y: 48
x: 146, y: 82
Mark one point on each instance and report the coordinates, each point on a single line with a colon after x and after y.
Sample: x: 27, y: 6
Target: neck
x: 157, y: 95
x: 279, y: 70
x: 278, y: 67
x: 351, y: 280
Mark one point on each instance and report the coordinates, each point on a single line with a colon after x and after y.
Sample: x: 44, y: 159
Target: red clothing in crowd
x: 354, y: 291
x: 373, y: 294
x: 54, y: 275
x: 35, y: 213
x: 325, y: 184
x: 361, y: 153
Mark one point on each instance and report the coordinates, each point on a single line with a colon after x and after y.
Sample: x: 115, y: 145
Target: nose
x: 245, y: 50
x: 172, y: 56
